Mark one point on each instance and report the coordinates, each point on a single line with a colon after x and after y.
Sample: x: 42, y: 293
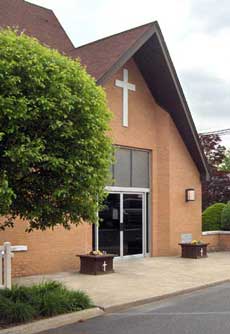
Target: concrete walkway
x: 144, y: 279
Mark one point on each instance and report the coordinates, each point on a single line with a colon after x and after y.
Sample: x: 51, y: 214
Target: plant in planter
x: 96, y: 263
x: 196, y: 242
x: 96, y: 253
x: 194, y: 250
x: 225, y: 217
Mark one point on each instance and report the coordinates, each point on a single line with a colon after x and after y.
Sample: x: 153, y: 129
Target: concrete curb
x: 124, y: 306
x: 54, y: 322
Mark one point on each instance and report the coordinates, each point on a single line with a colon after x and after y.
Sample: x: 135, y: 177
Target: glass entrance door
x: 133, y: 224
x: 109, y: 225
x: 121, y: 226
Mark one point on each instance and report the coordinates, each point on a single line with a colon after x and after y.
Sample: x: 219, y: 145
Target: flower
x: 98, y: 252
x: 196, y: 242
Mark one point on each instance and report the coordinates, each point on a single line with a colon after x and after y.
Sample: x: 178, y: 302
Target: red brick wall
x: 220, y: 241
x: 49, y: 251
x: 172, y: 171
x: 212, y: 240
x: 224, y: 242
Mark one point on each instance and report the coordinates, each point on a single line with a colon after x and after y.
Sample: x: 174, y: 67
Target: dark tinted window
x: 140, y: 169
x: 131, y: 168
x: 122, y: 168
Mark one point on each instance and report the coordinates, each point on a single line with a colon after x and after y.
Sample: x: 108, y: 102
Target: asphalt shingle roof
x: 99, y: 56
x: 36, y: 21
x: 105, y: 56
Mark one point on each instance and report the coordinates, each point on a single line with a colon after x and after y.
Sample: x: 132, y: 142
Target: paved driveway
x: 206, y: 312
x: 136, y: 280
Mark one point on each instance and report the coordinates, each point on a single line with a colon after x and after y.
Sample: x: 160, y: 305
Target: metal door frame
x: 123, y: 191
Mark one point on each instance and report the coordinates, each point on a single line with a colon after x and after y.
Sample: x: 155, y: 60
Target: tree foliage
x: 214, y: 151
x: 54, y: 149
x: 225, y: 165
x: 217, y: 189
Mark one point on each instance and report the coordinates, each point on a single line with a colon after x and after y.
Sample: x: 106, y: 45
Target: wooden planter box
x: 96, y: 264
x: 193, y: 251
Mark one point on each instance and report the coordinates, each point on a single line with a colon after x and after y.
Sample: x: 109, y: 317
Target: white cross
x: 201, y: 252
x: 104, y: 266
x: 126, y: 87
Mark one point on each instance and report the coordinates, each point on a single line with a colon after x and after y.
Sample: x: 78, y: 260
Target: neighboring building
x: 35, y: 21
x: 158, y: 153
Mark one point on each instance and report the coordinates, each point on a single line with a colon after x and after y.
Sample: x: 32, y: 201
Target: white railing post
x: 1, y: 270
x: 7, y: 264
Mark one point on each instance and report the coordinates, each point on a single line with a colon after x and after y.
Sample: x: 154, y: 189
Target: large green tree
x: 54, y: 149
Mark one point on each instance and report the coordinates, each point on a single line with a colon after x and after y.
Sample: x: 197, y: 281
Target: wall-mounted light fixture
x: 190, y: 195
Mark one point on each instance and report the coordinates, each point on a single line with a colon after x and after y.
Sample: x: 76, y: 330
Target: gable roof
x: 146, y: 45
x: 104, y: 57
x: 100, y: 56
x: 36, y: 21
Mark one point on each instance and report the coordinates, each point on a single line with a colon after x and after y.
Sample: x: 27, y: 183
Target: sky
x: 196, y: 33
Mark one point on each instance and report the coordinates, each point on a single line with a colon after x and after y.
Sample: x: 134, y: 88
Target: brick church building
x: 156, y: 197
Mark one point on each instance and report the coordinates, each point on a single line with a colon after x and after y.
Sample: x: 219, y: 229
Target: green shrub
x: 23, y: 304
x: 27, y: 295
x: 21, y: 293
x: 78, y: 300
x: 15, y: 312
x: 225, y: 217
x: 54, y: 303
x: 62, y: 300
x: 45, y: 287
x: 211, y: 217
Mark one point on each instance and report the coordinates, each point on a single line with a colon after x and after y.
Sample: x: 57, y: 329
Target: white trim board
x: 127, y: 189
x: 19, y: 248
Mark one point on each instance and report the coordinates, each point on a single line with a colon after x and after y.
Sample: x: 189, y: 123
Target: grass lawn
x: 23, y: 304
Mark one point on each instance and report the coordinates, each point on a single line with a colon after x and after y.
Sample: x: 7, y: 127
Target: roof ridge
x: 59, y: 23
x: 34, y: 4
x: 116, y: 34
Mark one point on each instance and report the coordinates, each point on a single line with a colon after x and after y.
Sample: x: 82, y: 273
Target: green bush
x: 54, y: 303
x: 23, y: 304
x: 225, y: 217
x: 78, y: 299
x: 15, y: 312
x: 61, y: 300
x: 211, y: 217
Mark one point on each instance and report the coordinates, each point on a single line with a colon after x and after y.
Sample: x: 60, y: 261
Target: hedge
x: 225, y: 217
x: 211, y: 217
